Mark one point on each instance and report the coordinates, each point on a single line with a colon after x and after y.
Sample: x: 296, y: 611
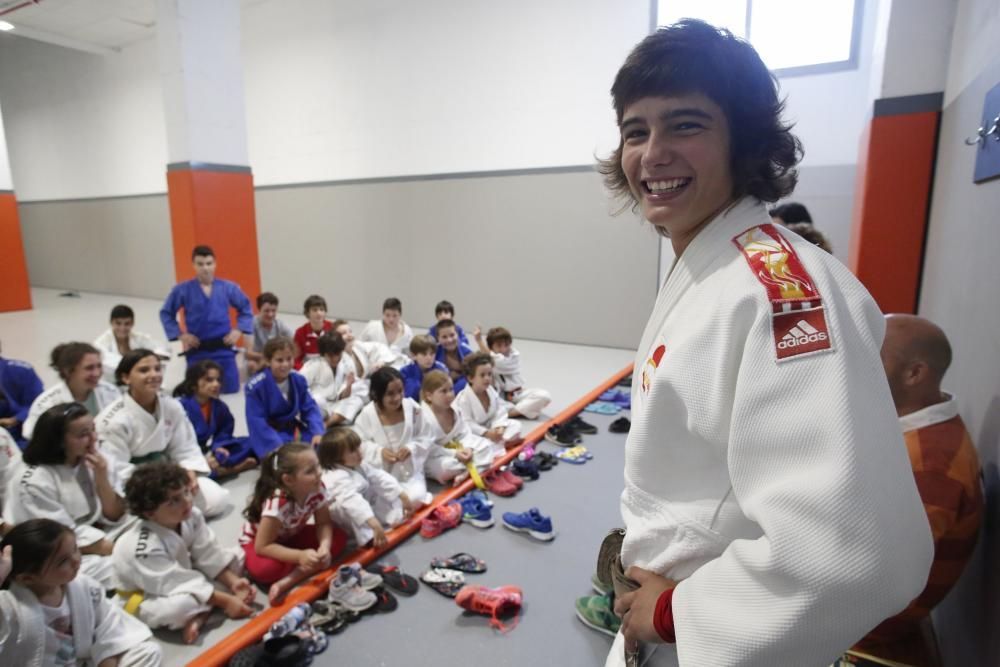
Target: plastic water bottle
x: 290, y: 622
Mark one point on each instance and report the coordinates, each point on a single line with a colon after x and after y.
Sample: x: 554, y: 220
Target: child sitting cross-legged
x: 481, y: 405
x: 171, y: 568
x: 282, y: 548
x: 328, y: 380
x: 521, y: 401
x: 307, y: 335
x: 366, y: 498
x: 423, y: 349
x: 54, y: 616
x: 454, y: 445
x: 213, y: 423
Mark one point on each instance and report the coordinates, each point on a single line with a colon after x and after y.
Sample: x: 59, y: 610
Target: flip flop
x: 545, y: 461
x: 582, y: 451
x: 603, y: 408
x: 462, y: 562
x: 396, y: 579
x: 609, y: 395
x: 386, y: 601
x: 446, y: 582
x: 573, y: 455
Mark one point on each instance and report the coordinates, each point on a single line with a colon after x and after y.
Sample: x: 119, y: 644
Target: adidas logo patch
x: 800, y: 332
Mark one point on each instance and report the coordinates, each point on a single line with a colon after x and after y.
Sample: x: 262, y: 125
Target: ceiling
x: 95, y: 26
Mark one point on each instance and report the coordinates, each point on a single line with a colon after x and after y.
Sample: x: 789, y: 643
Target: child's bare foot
x: 193, y: 627
x: 278, y: 589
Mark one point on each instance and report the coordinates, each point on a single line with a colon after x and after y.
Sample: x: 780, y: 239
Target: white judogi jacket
x: 10, y: 459
x: 410, y: 473
x: 111, y: 357
x: 100, y: 628
x: 483, y: 450
x: 374, y: 332
x: 325, y: 386
x: 104, y: 393
x: 507, y: 371
x: 480, y: 419
x: 763, y: 472
x: 360, y: 494
x: 162, y: 562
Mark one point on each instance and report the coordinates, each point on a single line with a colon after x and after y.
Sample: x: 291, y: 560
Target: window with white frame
x: 792, y: 36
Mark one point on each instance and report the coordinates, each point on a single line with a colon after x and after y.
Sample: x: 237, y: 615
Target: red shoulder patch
x: 798, y: 320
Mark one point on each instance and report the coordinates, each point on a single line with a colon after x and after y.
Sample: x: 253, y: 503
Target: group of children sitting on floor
x: 117, y: 482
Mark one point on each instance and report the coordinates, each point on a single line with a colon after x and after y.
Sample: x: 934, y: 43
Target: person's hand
x: 8, y: 422
x: 192, y: 482
x: 379, y: 540
x: 232, y: 337
x: 494, y: 434
x: 213, y: 463
x: 244, y: 590
x: 636, y: 609
x: 310, y: 559
x: 237, y: 607
x: 96, y: 462
x: 189, y: 341
x: 6, y: 562
x: 316, y: 439
x: 388, y: 456
x: 464, y: 455
x: 407, y: 504
x: 477, y: 333
x: 402, y: 454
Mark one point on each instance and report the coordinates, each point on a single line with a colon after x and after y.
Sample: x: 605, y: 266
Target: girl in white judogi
x: 122, y: 338
x: 392, y: 332
x: 481, y: 406
x: 393, y: 434
x: 79, y: 368
x: 10, y: 459
x: 521, y: 401
x: 365, y: 498
x: 53, y: 616
x: 144, y: 426
x: 453, y: 444
x: 64, y: 477
x: 172, y: 569
x: 357, y: 363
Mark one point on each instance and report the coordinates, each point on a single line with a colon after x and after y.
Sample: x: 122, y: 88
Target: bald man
x: 916, y: 354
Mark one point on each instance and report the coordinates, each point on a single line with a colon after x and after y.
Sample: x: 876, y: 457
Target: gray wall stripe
x: 207, y: 166
x: 895, y: 106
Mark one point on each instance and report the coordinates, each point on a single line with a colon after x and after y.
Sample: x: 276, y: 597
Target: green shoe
x: 598, y: 585
x: 595, y: 612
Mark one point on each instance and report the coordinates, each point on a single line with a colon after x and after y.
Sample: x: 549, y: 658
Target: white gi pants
x: 146, y: 654
x: 169, y: 611
x: 529, y: 402
x: 211, y: 499
x: 388, y: 513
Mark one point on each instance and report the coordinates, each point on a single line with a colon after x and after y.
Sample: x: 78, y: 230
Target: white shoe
x: 349, y: 595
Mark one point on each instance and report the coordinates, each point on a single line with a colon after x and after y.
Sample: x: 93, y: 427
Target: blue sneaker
x: 475, y: 512
x: 481, y: 496
x: 531, y: 522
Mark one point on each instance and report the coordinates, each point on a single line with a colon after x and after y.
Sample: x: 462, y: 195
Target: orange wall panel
x: 16, y: 292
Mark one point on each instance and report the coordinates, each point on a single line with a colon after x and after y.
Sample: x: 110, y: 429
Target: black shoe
x: 564, y: 435
x: 580, y: 426
x: 620, y: 425
x: 527, y: 469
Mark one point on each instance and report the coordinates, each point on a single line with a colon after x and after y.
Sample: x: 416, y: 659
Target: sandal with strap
x: 445, y: 582
x: 463, y: 562
x: 395, y: 579
x: 574, y: 455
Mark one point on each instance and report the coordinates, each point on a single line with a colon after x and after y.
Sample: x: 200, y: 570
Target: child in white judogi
x: 393, y: 434
x: 328, y: 381
x: 10, y: 459
x: 454, y: 445
x: 481, y: 406
x: 54, y: 617
x: 172, y: 570
x: 391, y: 331
x: 520, y: 400
x: 365, y: 498
x: 64, y: 477
x: 357, y: 363
x: 122, y: 338
x: 144, y: 426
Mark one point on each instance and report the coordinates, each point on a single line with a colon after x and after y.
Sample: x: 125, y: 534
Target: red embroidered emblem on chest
x: 649, y: 368
x: 798, y: 320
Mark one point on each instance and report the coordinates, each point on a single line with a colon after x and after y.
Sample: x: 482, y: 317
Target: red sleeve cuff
x: 663, y: 617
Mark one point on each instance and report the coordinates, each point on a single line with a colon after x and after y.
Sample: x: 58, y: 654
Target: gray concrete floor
x: 428, y: 628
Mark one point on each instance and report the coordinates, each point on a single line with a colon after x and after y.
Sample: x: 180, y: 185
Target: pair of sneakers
x: 503, y: 482
x: 569, y: 433
x: 351, y: 587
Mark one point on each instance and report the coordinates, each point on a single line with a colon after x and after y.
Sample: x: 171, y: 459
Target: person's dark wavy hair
x: 32, y: 544
x: 48, y: 439
x: 694, y: 57
x: 380, y: 381
x: 150, y: 486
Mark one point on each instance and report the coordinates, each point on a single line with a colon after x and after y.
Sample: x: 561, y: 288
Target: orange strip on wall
x: 249, y: 633
x: 890, y: 216
x: 16, y: 292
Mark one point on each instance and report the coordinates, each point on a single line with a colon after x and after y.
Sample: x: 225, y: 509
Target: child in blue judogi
x: 278, y: 402
x: 206, y: 301
x: 213, y: 422
x: 19, y: 387
x: 451, y: 351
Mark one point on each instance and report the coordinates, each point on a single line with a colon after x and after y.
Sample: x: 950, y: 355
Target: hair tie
x: 276, y: 462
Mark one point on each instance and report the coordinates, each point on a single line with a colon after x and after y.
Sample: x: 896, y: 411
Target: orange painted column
x: 213, y: 205
x: 16, y: 292
x: 892, y: 198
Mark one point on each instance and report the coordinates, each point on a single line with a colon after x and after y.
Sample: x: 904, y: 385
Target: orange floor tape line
x: 251, y: 632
